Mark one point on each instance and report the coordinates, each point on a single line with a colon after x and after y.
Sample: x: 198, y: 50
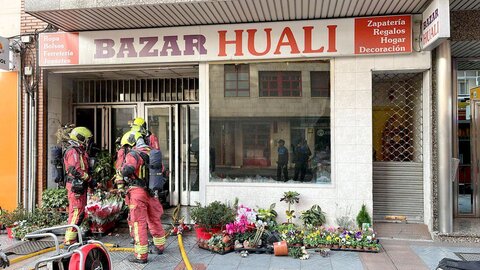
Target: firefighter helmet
x: 81, y: 134
x: 139, y: 124
x: 130, y: 138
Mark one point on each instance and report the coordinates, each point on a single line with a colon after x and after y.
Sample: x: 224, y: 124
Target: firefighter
x: 139, y: 124
x: 76, y: 164
x: 144, y: 209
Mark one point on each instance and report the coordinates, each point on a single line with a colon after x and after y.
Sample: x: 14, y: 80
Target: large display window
x: 280, y: 132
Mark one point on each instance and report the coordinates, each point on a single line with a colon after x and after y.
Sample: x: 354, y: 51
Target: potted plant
x: 55, y: 198
x: 290, y: 197
x: 211, y: 218
x: 363, y: 217
x: 103, y: 167
x: 313, y: 217
x: 268, y: 216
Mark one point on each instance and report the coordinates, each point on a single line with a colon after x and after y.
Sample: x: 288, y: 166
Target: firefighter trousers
x: 145, y: 212
x: 76, y: 213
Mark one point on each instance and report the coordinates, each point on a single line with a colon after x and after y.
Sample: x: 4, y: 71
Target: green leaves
x: 55, y: 198
x: 314, y: 216
x: 363, y: 216
x: 213, y: 215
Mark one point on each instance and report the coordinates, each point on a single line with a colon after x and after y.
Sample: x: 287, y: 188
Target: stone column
x: 444, y: 137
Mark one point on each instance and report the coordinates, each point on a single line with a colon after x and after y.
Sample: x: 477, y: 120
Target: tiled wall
x: 352, y: 144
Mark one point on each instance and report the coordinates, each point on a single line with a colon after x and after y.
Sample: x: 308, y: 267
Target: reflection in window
x: 237, y: 81
x: 280, y: 83
x: 255, y: 139
x: 320, y: 81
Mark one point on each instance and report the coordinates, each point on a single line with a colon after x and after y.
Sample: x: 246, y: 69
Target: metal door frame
x: 172, y: 171
x: 186, y: 193
x: 107, y: 120
x: 475, y: 157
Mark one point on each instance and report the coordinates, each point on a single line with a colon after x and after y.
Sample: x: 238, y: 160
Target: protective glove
x: 4, y: 262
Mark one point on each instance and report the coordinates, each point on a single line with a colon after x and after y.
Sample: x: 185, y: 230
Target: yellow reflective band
x: 131, y: 206
x: 140, y: 250
x: 82, y: 166
x: 70, y: 235
x: 74, y: 217
x: 159, y: 241
x: 135, y: 231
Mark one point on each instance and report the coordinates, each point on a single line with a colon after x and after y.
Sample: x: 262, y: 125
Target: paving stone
x: 284, y: 263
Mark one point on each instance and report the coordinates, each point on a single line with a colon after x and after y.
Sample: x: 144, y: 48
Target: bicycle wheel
x: 94, y: 258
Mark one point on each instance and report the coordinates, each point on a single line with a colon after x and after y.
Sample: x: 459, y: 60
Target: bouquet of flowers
x: 104, y: 207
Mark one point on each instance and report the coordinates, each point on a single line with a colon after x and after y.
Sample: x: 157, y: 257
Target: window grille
x: 397, y: 117
x: 135, y: 90
x: 280, y: 83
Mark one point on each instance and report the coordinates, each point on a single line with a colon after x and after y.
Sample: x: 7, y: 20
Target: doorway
x: 176, y: 127
x: 107, y: 122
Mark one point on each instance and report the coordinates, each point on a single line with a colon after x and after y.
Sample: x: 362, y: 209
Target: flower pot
x: 205, y: 234
x: 280, y: 248
x: 335, y: 246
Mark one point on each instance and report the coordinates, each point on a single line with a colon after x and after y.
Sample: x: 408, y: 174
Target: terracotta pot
x: 335, y: 246
x: 280, y: 248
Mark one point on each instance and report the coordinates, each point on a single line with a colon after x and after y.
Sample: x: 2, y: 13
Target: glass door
x: 176, y: 127
x: 469, y: 198
x: 161, y: 122
x: 189, y: 150
x: 107, y: 123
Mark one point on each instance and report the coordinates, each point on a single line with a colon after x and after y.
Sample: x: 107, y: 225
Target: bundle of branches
x: 63, y: 134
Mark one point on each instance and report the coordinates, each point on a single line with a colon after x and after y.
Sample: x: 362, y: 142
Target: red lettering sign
x: 58, y: 49
x: 383, y: 35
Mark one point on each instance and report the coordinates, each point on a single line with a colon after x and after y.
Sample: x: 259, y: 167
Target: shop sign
x: 57, y: 49
x: 435, y: 24
x: 4, y: 54
x: 277, y: 40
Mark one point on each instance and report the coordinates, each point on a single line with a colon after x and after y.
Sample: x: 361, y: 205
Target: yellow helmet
x: 81, y: 134
x: 130, y: 138
x: 139, y: 124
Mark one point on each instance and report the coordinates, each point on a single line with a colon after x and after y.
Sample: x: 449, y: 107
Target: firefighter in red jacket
x: 145, y: 210
x: 139, y: 124
x: 76, y: 164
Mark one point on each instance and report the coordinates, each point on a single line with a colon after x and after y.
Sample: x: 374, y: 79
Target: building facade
x: 349, y: 90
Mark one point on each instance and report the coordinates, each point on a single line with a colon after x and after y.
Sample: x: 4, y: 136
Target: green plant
x: 103, y: 168
x: 268, y: 215
x: 290, y: 197
x: 363, y: 216
x: 314, y: 216
x: 9, y: 219
x: 54, y: 198
x: 216, y: 214
x: 38, y: 219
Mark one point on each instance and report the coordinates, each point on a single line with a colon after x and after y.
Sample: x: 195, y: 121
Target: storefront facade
x: 221, y: 97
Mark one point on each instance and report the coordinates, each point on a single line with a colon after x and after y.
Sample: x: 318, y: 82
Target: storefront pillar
x: 444, y: 136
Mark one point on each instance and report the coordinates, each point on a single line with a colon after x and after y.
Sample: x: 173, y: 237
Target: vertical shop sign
x: 59, y: 49
x: 435, y: 24
x: 4, y: 53
x: 383, y: 35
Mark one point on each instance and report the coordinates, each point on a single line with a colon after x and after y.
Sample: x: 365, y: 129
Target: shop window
x: 280, y: 83
x: 320, y: 83
x: 245, y: 135
x: 237, y: 80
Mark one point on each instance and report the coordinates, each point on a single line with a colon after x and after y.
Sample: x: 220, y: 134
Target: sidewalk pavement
x: 395, y: 255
